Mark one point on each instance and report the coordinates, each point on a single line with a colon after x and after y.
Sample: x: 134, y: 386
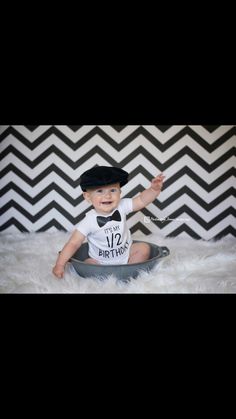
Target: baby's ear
x: 86, y: 196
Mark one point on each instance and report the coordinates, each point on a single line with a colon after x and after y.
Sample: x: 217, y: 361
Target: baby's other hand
x: 157, y: 182
x: 58, y: 271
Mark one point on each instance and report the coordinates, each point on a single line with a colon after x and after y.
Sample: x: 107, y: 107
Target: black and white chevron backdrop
x: 41, y: 165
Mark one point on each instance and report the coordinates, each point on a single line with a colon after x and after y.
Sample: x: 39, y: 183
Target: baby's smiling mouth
x: 107, y: 202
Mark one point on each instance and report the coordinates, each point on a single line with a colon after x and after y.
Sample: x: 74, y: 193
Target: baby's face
x: 105, y: 198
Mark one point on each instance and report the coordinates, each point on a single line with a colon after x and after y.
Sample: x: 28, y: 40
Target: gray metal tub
x: 122, y: 272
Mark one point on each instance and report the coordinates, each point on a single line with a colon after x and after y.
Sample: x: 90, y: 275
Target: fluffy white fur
x: 192, y: 267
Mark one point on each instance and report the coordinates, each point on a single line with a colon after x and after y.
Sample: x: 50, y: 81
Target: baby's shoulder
x: 86, y: 225
x: 90, y: 215
x: 126, y: 205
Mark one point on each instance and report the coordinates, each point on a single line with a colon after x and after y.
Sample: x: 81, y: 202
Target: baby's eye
x: 99, y: 191
x: 113, y: 190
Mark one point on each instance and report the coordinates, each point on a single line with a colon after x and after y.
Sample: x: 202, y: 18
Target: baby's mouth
x: 106, y: 202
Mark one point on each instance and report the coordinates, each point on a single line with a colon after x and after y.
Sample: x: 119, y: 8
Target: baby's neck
x: 103, y: 213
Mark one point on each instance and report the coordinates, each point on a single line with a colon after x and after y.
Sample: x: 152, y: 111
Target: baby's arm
x: 148, y: 195
x: 68, y: 250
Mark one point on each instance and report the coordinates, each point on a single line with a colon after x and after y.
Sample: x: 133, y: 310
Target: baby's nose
x: 107, y: 192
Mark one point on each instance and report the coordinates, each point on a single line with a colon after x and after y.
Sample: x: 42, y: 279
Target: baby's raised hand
x: 157, y: 182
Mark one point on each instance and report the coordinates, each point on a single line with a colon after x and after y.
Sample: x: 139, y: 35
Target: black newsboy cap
x: 102, y: 175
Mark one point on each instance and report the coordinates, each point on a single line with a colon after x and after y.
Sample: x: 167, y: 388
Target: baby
x: 105, y: 226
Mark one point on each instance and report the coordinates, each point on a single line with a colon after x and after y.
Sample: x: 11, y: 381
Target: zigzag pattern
x: 41, y: 166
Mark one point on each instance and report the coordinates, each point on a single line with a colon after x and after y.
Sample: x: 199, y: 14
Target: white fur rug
x: 26, y: 261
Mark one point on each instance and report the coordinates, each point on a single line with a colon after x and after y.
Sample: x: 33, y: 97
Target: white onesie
x: 109, y: 239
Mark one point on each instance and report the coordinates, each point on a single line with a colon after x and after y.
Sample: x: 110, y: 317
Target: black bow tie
x: 103, y: 220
